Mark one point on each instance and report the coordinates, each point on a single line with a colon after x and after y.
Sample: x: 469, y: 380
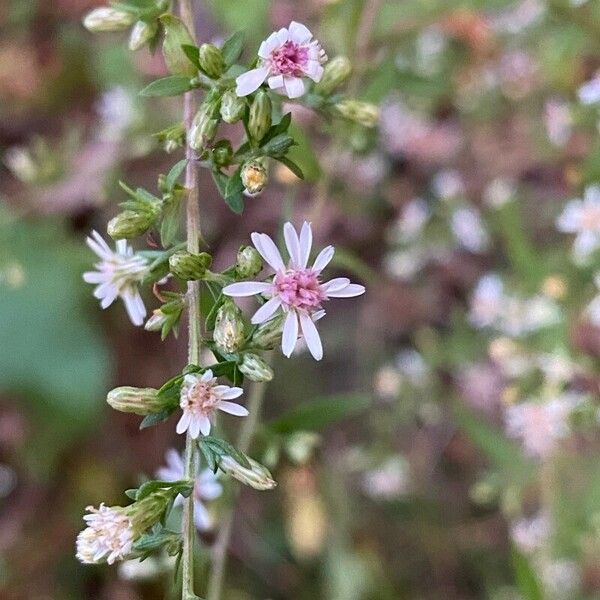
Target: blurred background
x: 457, y: 456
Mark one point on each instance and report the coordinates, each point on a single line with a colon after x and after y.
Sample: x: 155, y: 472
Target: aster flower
x: 469, y: 230
x: 200, y: 398
x: 582, y: 217
x: 296, y: 290
x: 109, y: 535
x: 118, y: 274
x: 206, y: 487
x: 285, y: 57
x: 531, y: 534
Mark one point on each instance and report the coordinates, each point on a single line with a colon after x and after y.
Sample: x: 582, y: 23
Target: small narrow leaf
x: 175, y: 173
x: 193, y: 53
x: 174, y: 85
x: 232, y: 48
x: 155, y: 419
x: 292, y: 166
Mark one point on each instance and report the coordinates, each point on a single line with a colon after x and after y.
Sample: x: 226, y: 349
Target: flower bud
x: 254, y: 176
x: 222, y: 153
x: 232, y: 107
x: 255, y: 368
x: 177, y: 35
x: 259, y: 121
x: 107, y: 19
x: 141, y: 33
x: 279, y: 145
x: 211, y: 60
x: 204, y: 126
x: 363, y: 113
x: 229, y: 333
x: 257, y: 477
x: 248, y: 262
x: 140, y: 401
x: 336, y: 73
x: 156, y: 321
x: 130, y: 224
x: 268, y: 335
x: 188, y: 266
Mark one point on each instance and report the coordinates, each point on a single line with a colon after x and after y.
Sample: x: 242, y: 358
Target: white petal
x: 306, y: 239
x: 204, y: 425
x: 231, y: 393
x: 108, y: 294
x: 275, y: 82
x: 292, y: 243
x: 570, y: 218
x: 99, y: 246
x: 350, y: 291
x: 318, y: 315
x: 135, y: 308
x: 266, y: 311
x: 335, y: 285
x: 290, y: 333
x: 314, y: 70
x: 246, y: 288
x: 283, y: 35
x: 268, y: 45
x: 323, y: 258
x: 299, y: 33
x: 586, y: 243
x: 201, y: 516
x: 210, y: 489
x: 268, y: 250
x: 194, y: 428
x: 311, y: 336
x: 294, y: 86
x: 183, y: 423
x: 233, y: 409
x: 206, y: 376
x: 94, y: 277
x: 250, y: 81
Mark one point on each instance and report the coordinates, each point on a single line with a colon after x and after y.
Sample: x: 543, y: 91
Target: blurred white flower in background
x: 430, y: 46
x: 487, y: 301
x: 593, y: 308
x: 410, y: 223
x: 405, y: 264
x: 589, y: 92
x: 561, y: 578
x: 558, y: 121
x: 388, y: 481
x: 468, y: 229
x: 448, y: 184
x: 499, y: 192
x: 518, y: 17
x: 533, y: 533
x: 118, y: 112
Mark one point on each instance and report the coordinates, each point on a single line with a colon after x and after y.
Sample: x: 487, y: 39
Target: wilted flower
x: 285, y: 57
x: 118, y: 274
x: 295, y: 289
x: 582, y: 217
x: 468, y: 229
x: 206, y: 487
x: 201, y: 397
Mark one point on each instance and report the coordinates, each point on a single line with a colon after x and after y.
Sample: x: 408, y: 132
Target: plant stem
x: 194, y: 337
x: 219, y: 562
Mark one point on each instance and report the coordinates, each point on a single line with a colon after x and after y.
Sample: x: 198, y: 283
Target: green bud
x: 107, y: 19
x: 279, y: 145
x: 249, y: 262
x: 188, y: 266
x: 211, y: 60
x: 268, y: 334
x: 259, y: 121
x: 336, y: 73
x: 232, y: 107
x: 145, y: 513
x: 140, y: 401
x: 255, y: 368
x: 130, y: 224
x: 205, y: 124
x: 254, y: 176
x: 141, y: 33
x: 363, y: 113
x: 222, y: 153
x: 177, y: 35
x: 257, y: 477
x: 229, y: 333
x: 156, y: 321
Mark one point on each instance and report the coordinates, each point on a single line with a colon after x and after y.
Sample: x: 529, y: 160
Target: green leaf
x: 156, y: 418
x: 525, y: 577
x: 174, y: 85
x: 193, y: 53
x: 235, y: 203
x: 321, y: 412
x: 131, y: 493
x: 279, y: 128
x: 292, y: 166
x: 234, y: 183
x: 182, y: 486
x: 232, y: 48
x: 303, y: 154
x: 221, y: 448
x: 175, y: 173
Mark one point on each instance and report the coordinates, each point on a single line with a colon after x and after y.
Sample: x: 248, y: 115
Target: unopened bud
x: 176, y: 36
x: 147, y: 512
x: 254, y: 176
x: 336, y: 73
x: 222, y: 153
x: 232, y: 107
x: 188, y: 266
x: 279, y: 145
x: 130, y: 224
x: 257, y: 477
x: 156, y: 321
x: 268, y: 334
x: 140, y: 401
x: 229, y: 332
x: 107, y: 19
x: 248, y: 262
x: 255, y: 368
x: 363, y: 113
x: 211, y: 60
x: 259, y: 121
x: 204, y: 126
x: 141, y: 33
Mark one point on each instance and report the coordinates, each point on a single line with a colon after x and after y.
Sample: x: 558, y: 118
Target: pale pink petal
x: 311, y: 336
x: 350, y: 291
x: 283, y: 35
x: 183, y: 423
x: 268, y: 45
x: 306, y: 239
x: 201, y: 516
x: 233, y: 409
x: 299, y: 33
x: 323, y: 258
x: 207, y: 376
x: 204, y: 425
x: 268, y: 250
x: 246, y: 288
x: 266, y: 311
x: 275, y: 82
x: 290, y: 333
x: 314, y: 70
x: 231, y: 393
x: 294, y: 86
x: 292, y: 243
x: 250, y: 81
x: 335, y: 285
x: 194, y: 428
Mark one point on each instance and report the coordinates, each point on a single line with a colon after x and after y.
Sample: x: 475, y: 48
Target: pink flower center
x: 200, y: 399
x: 299, y: 288
x: 289, y: 59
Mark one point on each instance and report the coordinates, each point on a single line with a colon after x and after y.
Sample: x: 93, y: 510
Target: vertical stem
x: 194, y: 338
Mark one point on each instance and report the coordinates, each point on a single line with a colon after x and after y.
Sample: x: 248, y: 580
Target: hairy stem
x: 219, y: 562
x: 194, y: 337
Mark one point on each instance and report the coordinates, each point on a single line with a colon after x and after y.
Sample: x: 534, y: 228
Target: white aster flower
x: 295, y: 289
x: 589, y: 92
x: 108, y: 537
x: 412, y: 220
x: 118, y: 274
x: 206, y: 487
x: 487, y: 301
x: 499, y: 192
x: 558, y: 121
x: 582, y: 217
x: 448, y: 184
x: 200, y: 398
x: 390, y: 480
x: 468, y: 229
x: 285, y: 57
x: 531, y: 534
